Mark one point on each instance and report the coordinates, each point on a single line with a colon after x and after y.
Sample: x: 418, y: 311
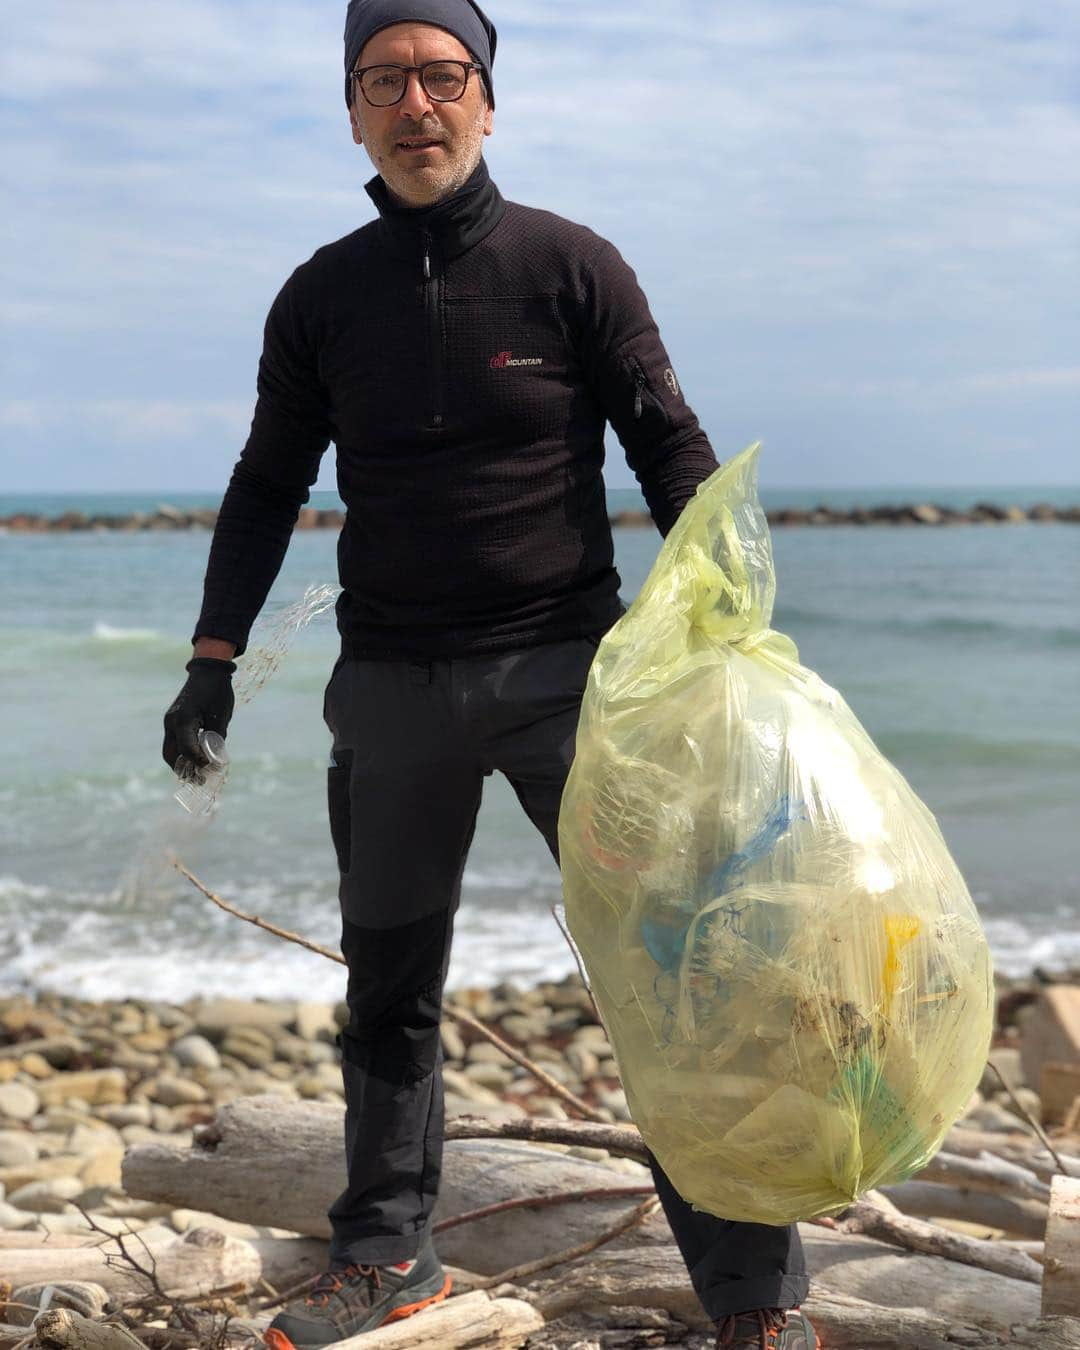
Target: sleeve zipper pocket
x: 639, y: 392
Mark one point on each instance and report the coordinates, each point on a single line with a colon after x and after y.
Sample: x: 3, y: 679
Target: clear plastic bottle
x: 201, y: 783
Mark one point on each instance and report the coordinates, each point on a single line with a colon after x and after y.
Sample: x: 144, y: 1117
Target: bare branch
x: 542, y: 1202
x: 636, y: 1216
x: 1029, y: 1118
x: 458, y: 1014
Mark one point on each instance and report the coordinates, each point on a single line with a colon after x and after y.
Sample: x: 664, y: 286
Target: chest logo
x: 504, y: 359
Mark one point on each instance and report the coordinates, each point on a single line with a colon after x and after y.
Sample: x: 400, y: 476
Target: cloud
x: 155, y: 421
x: 876, y: 198
x: 1064, y: 379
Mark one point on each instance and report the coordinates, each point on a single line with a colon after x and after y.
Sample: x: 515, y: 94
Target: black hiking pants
x: 413, y: 742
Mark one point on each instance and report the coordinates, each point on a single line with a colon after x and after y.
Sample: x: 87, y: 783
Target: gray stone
x: 78, y: 1295
x: 58, y: 1051
x: 18, y: 1102
x: 549, y: 1108
x: 483, y: 1052
x: 543, y: 1050
x: 453, y: 1043
x: 614, y: 1100
x: 595, y: 1038
x: 525, y: 1027
x: 316, y: 1021
x: 134, y: 1113
x: 62, y: 1118
x: 17, y: 1149
x: 255, y: 1054
x: 583, y: 1061
x: 139, y: 1134
x: 464, y: 1087
x: 178, y: 1091
x: 493, y: 1110
x: 13, y: 1218
x: 222, y: 1015
x: 493, y: 1076
x: 93, y: 1136
x: 51, y: 1196
x: 195, y: 1052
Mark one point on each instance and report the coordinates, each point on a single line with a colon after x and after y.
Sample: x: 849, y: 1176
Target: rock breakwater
x: 170, y: 518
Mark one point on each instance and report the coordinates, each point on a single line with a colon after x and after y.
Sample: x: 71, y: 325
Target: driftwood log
x: 1061, y: 1284
x: 841, y: 1267
x: 926, y: 1200
x: 473, y: 1320
x: 191, y: 1266
x: 66, y: 1330
x: 265, y: 1161
x: 988, y: 1174
x: 874, y: 1216
x: 1023, y: 1149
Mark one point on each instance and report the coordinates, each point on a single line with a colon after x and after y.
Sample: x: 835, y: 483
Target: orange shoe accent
x: 277, y: 1340
x: 410, y: 1308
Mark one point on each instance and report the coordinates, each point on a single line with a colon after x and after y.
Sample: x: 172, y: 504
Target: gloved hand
x: 205, y: 701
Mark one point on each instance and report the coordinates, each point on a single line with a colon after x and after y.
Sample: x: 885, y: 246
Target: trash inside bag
x: 788, y: 962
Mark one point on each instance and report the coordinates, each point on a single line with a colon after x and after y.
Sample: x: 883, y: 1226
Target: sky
x: 857, y: 221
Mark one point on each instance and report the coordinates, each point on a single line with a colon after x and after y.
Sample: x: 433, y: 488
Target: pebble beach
x: 81, y: 1081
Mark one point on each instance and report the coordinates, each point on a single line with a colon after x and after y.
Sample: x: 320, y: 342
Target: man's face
x: 422, y: 149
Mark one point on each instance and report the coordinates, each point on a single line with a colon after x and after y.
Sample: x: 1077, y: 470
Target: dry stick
x: 543, y: 1202
x: 552, y: 1084
x: 1029, y: 1118
x: 466, y: 1019
x: 624, y: 1140
x: 636, y: 1216
x: 577, y: 961
x: 293, y: 1292
x: 875, y: 1216
x: 157, y: 1294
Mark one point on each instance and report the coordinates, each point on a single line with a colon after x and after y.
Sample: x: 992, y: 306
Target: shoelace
x: 331, y: 1282
x: 769, y: 1322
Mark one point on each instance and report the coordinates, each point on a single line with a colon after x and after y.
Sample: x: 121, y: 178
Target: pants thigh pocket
x: 339, y: 802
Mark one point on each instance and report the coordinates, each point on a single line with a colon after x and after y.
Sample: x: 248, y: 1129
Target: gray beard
x: 445, y: 180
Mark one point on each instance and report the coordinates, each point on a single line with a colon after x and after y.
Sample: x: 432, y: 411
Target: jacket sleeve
x: 632, y: 377
x: 289, y: 433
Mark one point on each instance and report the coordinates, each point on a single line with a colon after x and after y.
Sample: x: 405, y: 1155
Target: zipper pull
x: 427, y: 257
x: 638, y: 396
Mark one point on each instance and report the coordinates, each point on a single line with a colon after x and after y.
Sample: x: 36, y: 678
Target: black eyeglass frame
x: 466, y: 66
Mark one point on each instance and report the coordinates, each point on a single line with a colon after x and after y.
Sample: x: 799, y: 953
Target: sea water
x: 958, y: 648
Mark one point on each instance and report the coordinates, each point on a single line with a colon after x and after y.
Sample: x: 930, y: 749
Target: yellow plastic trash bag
x: 787, y: 959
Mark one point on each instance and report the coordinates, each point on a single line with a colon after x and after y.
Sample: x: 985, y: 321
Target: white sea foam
x: 107, y: 632
x: 185, y: 948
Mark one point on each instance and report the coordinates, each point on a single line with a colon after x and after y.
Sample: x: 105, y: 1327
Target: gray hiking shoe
x: 766, y: 1329
x: 348, y: 1300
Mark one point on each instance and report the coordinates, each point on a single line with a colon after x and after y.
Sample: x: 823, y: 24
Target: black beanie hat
x: 466, y: 20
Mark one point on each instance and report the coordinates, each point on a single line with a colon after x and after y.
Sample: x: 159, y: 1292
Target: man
x: 464, y: 354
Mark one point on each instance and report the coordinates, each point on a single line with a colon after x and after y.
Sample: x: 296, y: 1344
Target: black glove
x: 205, y: 701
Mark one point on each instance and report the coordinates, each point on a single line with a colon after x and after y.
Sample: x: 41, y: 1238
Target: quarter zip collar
x: 451, y: 226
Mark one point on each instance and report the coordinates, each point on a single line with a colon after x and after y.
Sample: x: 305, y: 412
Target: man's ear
x: 489, y: 114
x: 354, y: 123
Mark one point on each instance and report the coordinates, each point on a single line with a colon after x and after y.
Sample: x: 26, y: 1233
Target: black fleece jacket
x: 464, y: 358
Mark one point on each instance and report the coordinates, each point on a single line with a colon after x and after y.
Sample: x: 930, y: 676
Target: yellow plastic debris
x: 788, y: 962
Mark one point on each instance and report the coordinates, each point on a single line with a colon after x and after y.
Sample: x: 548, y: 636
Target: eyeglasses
x: 442, y: 81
